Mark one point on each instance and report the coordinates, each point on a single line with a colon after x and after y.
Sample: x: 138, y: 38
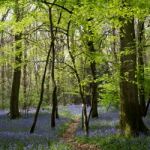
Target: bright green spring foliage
x: 99, y: 17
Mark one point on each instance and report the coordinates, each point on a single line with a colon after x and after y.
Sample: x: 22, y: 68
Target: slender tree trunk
x: 25, y: 83
x: 130, y: 118
x: 93, y: 84
x: 43, y: 81
x: 81, y: 91
x: 48, y: 83
x: 2, y: 73
x: 42, y: 92
x: 54, y: 93
x: 57, y: 114
x: 36, y: 64
x: 140, y: 49
x: 53, y: 116
x: 3, y: 86
x: 54, y: 85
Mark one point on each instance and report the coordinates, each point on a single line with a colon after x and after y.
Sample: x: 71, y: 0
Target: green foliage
x: 90, y: 21
x: 109, y: 90
x: 144, y: 4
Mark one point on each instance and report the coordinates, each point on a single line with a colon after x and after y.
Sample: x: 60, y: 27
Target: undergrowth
x: 117, y: 142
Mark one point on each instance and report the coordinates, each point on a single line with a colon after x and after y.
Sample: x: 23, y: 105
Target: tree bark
x: 42, y: 92
x: 93, y: 84
x: 140, y: 49
x: 25, y: 105
x: 130, y: 119
x: 54, y: 93
x: 2, y: 73
x: 85, y: 117
x: 14, y: 99
x: 43, y: 81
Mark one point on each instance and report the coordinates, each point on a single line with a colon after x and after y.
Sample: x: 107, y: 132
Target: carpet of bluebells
x: 105, y: 133
x: 14, y: 134
x: 105, y: 124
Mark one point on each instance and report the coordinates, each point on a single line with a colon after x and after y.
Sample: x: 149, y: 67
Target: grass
x: 60, y: 146
x: 53, y: 145
x: 63, y: 128
x: 105, y: 134
x: 117, y: 142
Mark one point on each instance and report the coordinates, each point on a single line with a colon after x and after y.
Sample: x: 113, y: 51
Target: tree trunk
x: 43, y: 81
x: 93, y: 84
x: 53, y: 115
x: 48, y: 96
x: 2, y: 73
x: 85, y: 118
x: 25, y: 105
x: 57, y: 114
x: 54, y: 94
x: 140, y: 49
x: 14, y: 99
x: 130, y: 119
x: 42, y: 92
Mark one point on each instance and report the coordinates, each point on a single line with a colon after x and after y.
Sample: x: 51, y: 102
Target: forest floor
x: 68, y: 134
x: 14, y: 134
x: 105, y: 134
x: 69, y: 138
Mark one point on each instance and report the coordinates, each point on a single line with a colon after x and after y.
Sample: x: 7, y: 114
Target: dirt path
x: 69, y: 138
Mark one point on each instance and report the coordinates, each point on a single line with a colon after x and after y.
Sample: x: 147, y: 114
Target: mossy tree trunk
x: 130, y: 119
x: 2, y: 74
x: 14, y: 99
x: 140, y: 49
x: 25, y: 83
x: 93, y: 84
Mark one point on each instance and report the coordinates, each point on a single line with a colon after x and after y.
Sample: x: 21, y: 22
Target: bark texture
x: 93, y: 84
x: 131, y: 121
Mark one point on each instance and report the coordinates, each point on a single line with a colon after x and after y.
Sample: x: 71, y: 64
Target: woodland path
x: 69, y: 138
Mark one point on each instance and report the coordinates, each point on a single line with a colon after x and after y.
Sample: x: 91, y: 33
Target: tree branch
x: 64, y: 8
